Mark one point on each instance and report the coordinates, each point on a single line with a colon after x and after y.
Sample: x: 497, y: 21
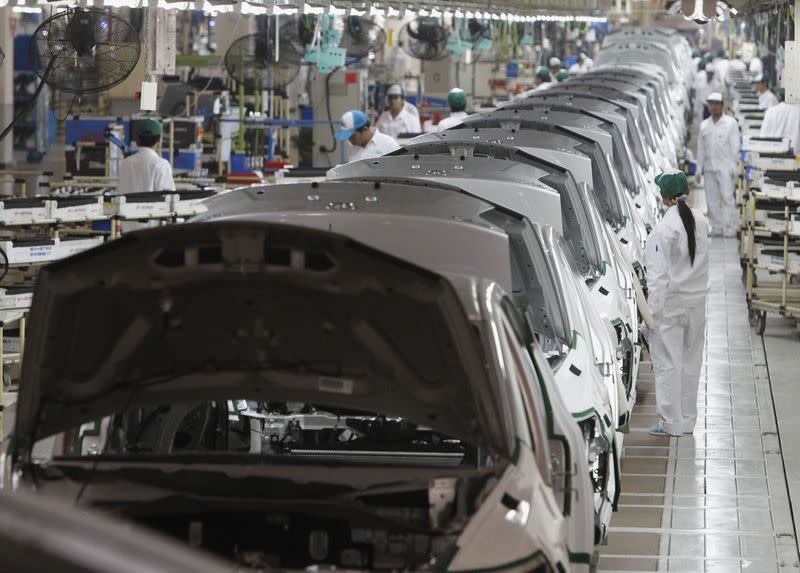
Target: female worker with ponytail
x: 676, y: 257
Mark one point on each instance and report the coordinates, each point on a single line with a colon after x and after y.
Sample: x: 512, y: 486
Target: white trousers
x: 676, y: 348
x: 721, y: 199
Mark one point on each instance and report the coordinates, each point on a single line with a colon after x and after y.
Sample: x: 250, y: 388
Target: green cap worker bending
x: 542, y: 78
x: 146, y: 170
x: 676, y: 256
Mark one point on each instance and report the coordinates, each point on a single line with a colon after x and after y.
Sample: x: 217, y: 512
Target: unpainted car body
x: 441, y: 440
x: 415, y: 221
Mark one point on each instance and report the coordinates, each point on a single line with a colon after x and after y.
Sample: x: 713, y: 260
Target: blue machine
x: 94, y: 129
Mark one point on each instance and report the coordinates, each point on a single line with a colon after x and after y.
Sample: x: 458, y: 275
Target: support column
x: 7, y: 85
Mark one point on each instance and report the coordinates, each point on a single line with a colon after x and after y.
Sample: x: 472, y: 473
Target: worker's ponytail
x: 688, y: 223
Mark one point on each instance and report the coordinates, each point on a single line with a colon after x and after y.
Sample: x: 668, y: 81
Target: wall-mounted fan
x: 259, y: 61
x: 81, y: 51
x: 424, y: 38
x: 361, y: 37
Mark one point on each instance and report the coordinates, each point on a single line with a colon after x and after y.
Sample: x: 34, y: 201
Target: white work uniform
x: 145, y: 171
x: 405, y: 122
x: 767, y: 99
x: 738, y: 66
x: 721, y: 69
x: 380, y: 144
x: 718, y: 155
x: 456, y: 118
x: 702, y: 89
x: 783, y: 120
x: 411, y: 108
x: 677, y: 293
x: 578, y: 68
x: 756, y: 67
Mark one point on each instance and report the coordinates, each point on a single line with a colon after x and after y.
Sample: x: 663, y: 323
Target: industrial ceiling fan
x: 362, y: 37
x: 264, y: 62
x: 424, y: 38
x: 81, y: 51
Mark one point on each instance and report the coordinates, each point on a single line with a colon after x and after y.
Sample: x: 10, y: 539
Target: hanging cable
x: 323, y: 148
x: 31, y: 101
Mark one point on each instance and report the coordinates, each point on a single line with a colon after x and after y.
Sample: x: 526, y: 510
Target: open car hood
x: 225, y: 309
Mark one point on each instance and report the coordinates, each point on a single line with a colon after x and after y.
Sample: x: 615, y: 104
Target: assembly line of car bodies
x: 426, y: 362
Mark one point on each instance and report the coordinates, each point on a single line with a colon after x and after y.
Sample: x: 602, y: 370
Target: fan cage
x: 114, y: 53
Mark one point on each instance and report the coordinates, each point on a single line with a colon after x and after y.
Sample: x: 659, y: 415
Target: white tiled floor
x: 716, y: 501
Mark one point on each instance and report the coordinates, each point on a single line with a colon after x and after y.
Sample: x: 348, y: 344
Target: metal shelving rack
x: 782, y: 298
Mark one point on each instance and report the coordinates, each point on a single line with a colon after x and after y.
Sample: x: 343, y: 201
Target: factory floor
x: 719, y: 500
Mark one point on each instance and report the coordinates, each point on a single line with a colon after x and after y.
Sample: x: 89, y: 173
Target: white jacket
x: 673, y: 282
x: 405, y: 122
x: 455, y: 118
x: 783, y: 120
x: 767, y: 99
x: 718, y: 144
x: 380, y: 144
x: 145, y: 171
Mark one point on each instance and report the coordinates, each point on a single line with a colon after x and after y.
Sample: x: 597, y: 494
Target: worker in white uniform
x: 583, y: 65
x: 397, y: 119
x: 737, y: 65
x: 756, y: 67
x: 146, y: 170
x: 457, y: 100
x: 676, y: 256
x: 543, y: 79
x: 705, y: 89
x: 718, y: 157
x: 766, y: 99
x: 554, y: 65
x: 721, y: 64
x: 364, y: 141
x: 783, y: 120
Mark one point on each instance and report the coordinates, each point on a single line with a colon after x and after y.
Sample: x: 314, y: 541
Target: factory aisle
x: 716, y: 501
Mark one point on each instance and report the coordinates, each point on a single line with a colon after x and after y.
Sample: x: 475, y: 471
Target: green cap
x: 456, y: 98
x: 673, y: 184
x: 149, y: 126
x: 543, y: 72
x: 562, y: 74
x: 761, y: 80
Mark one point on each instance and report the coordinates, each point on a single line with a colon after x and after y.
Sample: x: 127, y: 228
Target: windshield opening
x: 576, y: 225
x: 533, y: 288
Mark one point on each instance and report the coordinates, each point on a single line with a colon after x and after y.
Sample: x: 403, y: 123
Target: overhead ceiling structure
x: 542, y: 10
x: 703, y: 11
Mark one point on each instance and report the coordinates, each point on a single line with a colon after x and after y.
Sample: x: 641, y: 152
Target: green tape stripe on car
x: 583, y: 558
x: 603, y: 427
